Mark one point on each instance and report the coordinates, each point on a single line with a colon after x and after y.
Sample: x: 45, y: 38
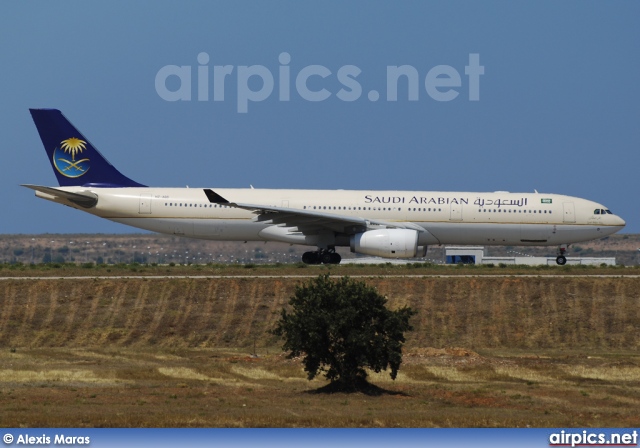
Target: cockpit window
x: 608, y: 212
x: 596, y: 211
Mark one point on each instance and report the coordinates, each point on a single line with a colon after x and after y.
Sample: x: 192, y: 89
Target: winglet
x: 214, y: 197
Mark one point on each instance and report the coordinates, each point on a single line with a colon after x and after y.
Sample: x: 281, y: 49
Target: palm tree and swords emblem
x: 71, y: 167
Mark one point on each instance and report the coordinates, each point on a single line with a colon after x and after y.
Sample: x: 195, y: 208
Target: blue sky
x: 558, y: 108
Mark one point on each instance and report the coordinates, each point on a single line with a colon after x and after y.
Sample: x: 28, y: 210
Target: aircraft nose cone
x: 617, y: 223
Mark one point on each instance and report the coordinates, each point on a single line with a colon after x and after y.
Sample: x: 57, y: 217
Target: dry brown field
x: 486, y: 351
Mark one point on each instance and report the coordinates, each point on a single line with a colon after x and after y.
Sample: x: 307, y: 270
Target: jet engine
x: 388, y: 243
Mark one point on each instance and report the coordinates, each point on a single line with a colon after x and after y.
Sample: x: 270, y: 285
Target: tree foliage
x: 342, y: 327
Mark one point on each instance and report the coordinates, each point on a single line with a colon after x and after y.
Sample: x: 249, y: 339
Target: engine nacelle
x: 388, y: 243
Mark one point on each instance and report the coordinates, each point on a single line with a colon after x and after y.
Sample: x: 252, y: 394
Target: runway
x: 302, y: 277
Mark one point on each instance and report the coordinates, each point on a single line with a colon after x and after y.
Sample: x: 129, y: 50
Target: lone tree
x: 341, y: 327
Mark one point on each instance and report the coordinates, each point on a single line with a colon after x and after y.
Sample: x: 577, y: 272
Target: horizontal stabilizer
x: 84, y: 199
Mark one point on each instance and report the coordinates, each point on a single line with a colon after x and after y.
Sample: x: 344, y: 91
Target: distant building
x: 475, y: 255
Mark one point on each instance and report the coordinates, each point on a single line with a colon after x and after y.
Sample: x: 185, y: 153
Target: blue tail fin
x: 75, y: 161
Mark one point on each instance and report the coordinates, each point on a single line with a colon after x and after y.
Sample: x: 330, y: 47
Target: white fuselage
x: 499, y: 218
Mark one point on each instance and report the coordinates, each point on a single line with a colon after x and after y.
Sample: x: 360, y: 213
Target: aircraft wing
x: 84, y: 199
x: 310, y: 222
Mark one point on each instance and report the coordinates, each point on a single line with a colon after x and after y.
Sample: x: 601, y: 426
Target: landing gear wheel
x: 321, y: 256
x: 331, y: 258
x: 562, y: 251
x: 311, y: 258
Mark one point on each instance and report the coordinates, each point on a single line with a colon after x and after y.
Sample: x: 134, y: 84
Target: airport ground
x: 489, y: 348
x: 148, y: 248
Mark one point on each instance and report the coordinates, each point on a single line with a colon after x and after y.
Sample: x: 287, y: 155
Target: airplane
x: 390, y: 224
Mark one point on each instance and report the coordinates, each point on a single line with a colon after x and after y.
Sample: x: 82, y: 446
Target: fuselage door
x: 456, y: 212
x: 569, y: 214
x: 145, y: 204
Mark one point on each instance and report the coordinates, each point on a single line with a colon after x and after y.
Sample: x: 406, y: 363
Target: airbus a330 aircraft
x: 392, y: 224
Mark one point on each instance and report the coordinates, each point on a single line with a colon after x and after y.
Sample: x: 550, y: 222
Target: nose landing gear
x: 561, y: 259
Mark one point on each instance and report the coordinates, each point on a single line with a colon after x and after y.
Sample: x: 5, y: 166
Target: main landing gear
x: 321, y: 256
x: 561, y: 259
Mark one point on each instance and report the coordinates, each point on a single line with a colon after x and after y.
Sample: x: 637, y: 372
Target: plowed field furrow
x: 136, y: 314
x: 177, y: 309
x: 191, y: 298
x: 154, y: 331
x: 471, y: 312
x: 281, y: 293
x: 227, y: 329
x: 251, y: 328
x: 209, y: 327
x: 72, y: 306
x: 30, y: 304
x: 7, y: 322
x: 30, y: 315
x: 85, y: 331
x: 113, y: 310
x: 43, y: 335
x: 419, y: 297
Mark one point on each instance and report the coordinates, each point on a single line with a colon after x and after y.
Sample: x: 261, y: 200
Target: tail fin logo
x: 64, y: 158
